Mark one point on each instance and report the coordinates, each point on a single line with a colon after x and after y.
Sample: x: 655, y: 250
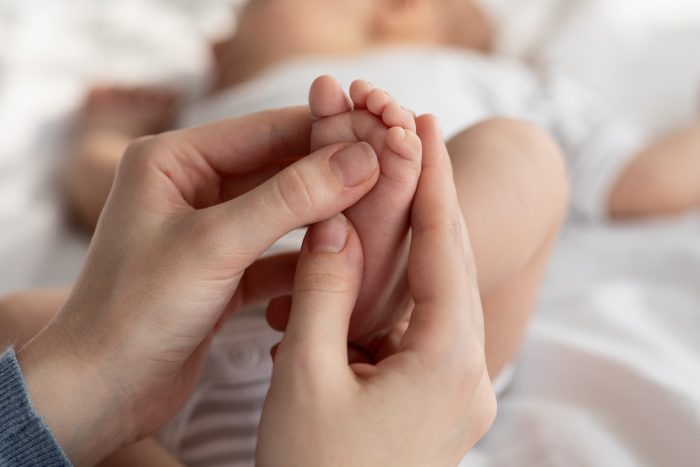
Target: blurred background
x: 639, y: 55
x: 609, y: 375
x: 50, y: 54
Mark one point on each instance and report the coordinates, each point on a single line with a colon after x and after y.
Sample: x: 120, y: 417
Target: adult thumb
x: 314, y: 188
x: 326, y: 285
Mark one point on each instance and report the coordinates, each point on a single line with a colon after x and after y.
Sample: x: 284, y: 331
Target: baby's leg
x: 512, y: 187
x: 24, y: 314
x: 664, y: 179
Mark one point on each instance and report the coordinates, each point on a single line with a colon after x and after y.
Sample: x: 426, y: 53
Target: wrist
x: 74, y: 399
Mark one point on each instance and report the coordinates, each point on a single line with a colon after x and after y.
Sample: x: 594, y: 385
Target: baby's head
x: 271, y: 30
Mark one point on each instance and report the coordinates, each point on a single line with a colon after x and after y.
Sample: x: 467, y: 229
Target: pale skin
x: 362, y: 25
x: 498, y: 164
x: 513, y: 186
x: 140, y: 352
x: 484, y: 148
x: 509, y: 175
x: 510, y: 264
x: 434, y: 276
x: 657, y: 181
x: 662, y: 179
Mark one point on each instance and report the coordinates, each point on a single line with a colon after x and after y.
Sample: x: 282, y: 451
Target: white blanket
x: 609, y: 374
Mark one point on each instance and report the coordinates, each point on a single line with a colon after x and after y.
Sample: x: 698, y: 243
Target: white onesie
x: 461, y: 88
x: 218, y: 426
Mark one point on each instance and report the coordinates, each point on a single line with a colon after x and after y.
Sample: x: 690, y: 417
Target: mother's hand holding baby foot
x: 427, y: 403
x: 174, y: 251
x: 189, y: 212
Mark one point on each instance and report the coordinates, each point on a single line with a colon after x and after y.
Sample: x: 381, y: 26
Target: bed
x: 610, y: 372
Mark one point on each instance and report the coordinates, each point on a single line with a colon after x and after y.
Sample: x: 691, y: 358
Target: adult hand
x: 184, y: 220
x: 427, y: 403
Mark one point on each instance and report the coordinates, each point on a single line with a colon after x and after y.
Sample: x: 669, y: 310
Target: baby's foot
x: 382, y: 217
x: 131, y: 111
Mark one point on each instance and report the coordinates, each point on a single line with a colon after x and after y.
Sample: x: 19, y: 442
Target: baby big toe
x: 327, y: 98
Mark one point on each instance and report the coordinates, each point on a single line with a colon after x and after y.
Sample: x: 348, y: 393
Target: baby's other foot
x: 382, y: 217
x: 132, y: 111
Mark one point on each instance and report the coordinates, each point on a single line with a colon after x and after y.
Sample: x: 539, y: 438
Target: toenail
x: 354, y: 164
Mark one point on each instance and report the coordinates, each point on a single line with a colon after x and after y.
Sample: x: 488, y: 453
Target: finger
x: 267, y: 278
x: 277, y: 314
x: 310, y: 190
x: 359, y: 90
x: 273, y: 351
x: 441, y: 271
x: 355, y: 356
x: 358, y: 355
x: 242, y: 144
x: 326, y: 285
x: 278, y: 311
x: 235, y: 185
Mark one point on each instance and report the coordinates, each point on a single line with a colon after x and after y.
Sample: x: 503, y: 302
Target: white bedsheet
x: 641, y: 56
x: 609, y: 374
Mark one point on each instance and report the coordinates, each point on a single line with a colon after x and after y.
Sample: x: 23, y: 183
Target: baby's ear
x: 406, y: 20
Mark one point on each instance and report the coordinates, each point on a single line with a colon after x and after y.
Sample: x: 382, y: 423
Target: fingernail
x: 354, y: 164
x: 329, y: 236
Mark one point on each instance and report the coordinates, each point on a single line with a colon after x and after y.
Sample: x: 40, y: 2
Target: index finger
x: 441, y: 270
x: 242, y: 144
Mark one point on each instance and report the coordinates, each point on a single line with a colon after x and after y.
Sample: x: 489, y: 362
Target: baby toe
x: 327, y: 98
x: 405, y: 144
x: 359, y: 90
x: 395, y: 115
x: 378, y: 100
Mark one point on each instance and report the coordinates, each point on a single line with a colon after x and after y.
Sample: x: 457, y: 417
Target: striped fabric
x: 218, y: 426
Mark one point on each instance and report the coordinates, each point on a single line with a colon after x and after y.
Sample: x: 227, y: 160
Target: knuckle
x: 140, y: 149
x: 141, y: 153
x: 447, y: 226
x: 453, y: 227
x: 293, y: 193
x: 324, y: 282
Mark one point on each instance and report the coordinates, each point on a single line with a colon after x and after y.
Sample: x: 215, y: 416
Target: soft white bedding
x: 610, y: 372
